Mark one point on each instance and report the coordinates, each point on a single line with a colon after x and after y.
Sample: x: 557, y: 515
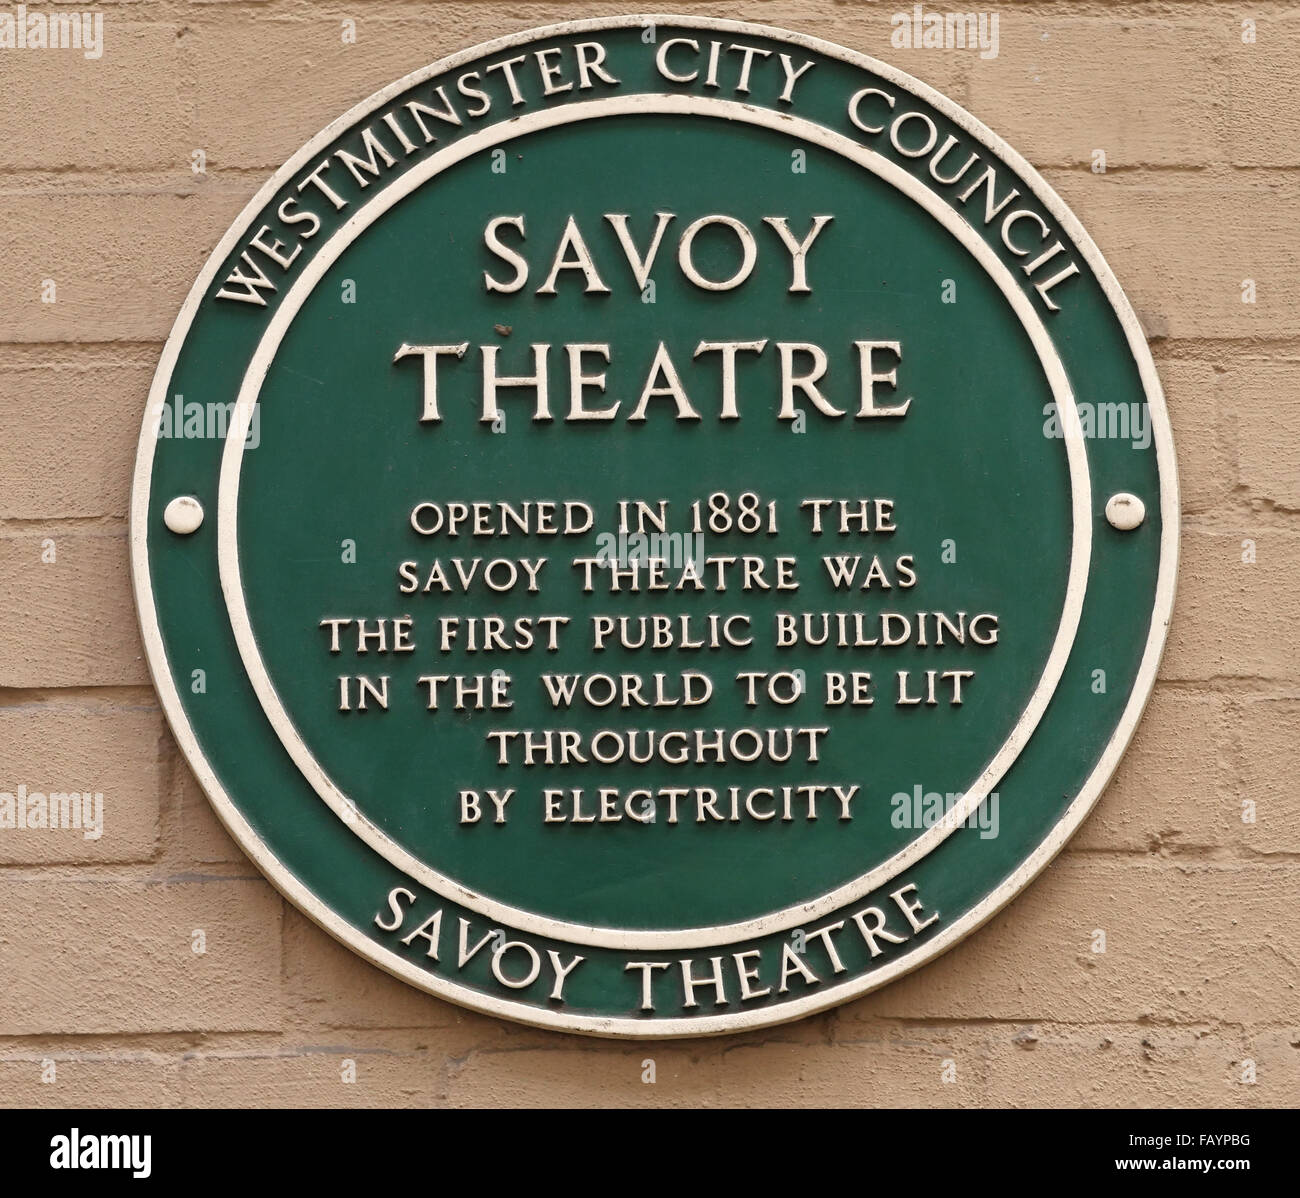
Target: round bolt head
x: 183, y: 515
x: 1125, y: 511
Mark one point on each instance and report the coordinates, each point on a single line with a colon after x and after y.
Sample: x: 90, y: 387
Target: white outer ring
x: 289, y: 885
x: 626, y: 938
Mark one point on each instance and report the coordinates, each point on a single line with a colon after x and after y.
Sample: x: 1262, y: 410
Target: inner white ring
x: 621, y: 938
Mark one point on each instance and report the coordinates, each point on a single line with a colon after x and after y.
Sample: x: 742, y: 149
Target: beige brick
x: 393, y: 40
x: 1200, y: 439
x: 108, y: 1080
x: 132, y: 107
x: 1061, y: 88
x: 791, y: 1066
x: 109, y: 750
x: 328, y: 985
x: 1232, y: 618
x: 1188, y: 943
x: 199, y: 836
x: 1263, y: 90
x: 1270, y: 773
x: 1181, y: 247
x: 386, y: 1075
x: 288, y: 51
x: 867, y: 30
x: 1118, y: 1066
x: 85, y: 957
x: 121, y: 263
x: 1276, y: 1054
x: 70, y: 622
x: 586, y: 1074
x: 1267, y: 433
x: 1173, y: 788
x: 70, y: 438
x: 897, y: 1067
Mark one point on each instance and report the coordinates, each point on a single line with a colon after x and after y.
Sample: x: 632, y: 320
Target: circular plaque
x: 654, y: 526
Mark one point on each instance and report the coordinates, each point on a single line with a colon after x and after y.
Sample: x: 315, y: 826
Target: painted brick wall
x: 103, y: 1000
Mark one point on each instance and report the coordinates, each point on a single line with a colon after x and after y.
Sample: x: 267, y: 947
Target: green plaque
x: 654, y: 526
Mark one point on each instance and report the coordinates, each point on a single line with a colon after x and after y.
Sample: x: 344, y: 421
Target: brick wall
x: 98, y: 975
